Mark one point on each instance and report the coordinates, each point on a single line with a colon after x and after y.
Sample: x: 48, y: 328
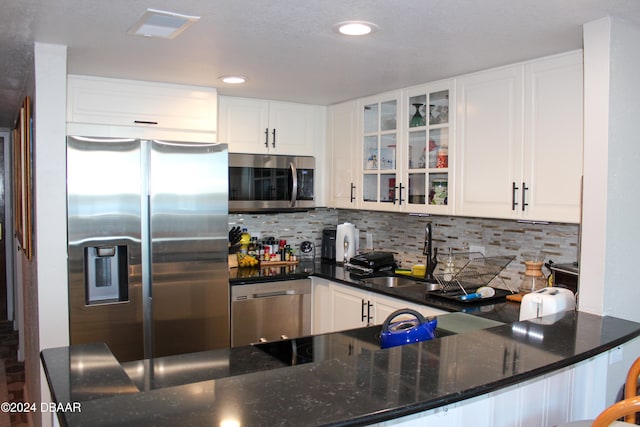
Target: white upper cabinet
x: 553, y: 139
x: 405, y: 143
x: 99, y: 106
x: 341, y: 135
x: 294, y: 128
x: 427, y: 146
x: 519, y: 141
x: 489, y: 141
x: 244, y: 124
x: 501, y: 143
x: 261, y: 126
x: 380, y: 153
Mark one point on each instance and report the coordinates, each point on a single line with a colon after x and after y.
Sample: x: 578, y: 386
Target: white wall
x: 596, y: 125
x: 50, y: 210
x: 610, y: 233
x: 623, y: 202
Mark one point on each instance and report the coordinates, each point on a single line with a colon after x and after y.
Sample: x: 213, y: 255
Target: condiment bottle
x: 443, y: 158
x: 245, y: 239
x: 253, y: 247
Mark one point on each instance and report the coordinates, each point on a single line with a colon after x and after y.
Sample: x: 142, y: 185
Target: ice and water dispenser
x: 106, y: 274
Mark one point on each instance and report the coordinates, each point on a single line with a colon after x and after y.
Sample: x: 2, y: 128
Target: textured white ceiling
x: 287, y: 47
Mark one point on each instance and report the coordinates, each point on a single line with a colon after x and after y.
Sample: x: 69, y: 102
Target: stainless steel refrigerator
x: 147, y: 245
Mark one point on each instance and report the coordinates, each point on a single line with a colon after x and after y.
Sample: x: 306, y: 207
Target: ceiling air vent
x: 162, y: 24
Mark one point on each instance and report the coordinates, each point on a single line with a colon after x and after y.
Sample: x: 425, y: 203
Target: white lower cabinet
x: 387, y: 305
x: 321, y: 302
x: 338, y: 307
x: 352, y: 308
x: 562, y: 396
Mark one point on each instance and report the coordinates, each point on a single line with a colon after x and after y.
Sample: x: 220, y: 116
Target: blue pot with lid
x: 407, y: 331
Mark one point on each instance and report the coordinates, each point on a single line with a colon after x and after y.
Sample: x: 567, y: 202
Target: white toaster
x: 545, y: 302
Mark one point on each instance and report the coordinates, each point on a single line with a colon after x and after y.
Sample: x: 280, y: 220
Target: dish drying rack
x: 468, y: 271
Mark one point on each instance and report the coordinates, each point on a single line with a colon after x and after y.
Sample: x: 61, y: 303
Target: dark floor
x: 14, y: 370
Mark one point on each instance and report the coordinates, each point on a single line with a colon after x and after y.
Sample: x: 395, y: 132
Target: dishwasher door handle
x: 246, y: 297
x: 273, y: 294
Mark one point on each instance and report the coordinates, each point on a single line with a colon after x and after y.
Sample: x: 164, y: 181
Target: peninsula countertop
x: 362, y: 386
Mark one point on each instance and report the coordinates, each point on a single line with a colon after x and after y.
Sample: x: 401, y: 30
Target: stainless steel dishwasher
x: 270, y: 311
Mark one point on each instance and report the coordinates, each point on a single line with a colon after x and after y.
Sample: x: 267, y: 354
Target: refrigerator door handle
x: 145, y: 248
x: 294, y: 187
x: 147, y: 277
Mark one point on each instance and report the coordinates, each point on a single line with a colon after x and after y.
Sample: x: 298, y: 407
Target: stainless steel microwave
x: 276, y: 183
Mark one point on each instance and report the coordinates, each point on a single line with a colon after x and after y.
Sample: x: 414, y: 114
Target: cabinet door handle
x: 363, y: 317
x: 400, y: 195
x: 394, y: 199
x: 524, y: 192
x: 351, y: 195
x: 273, y: 140
x: 145, y: 122
x: 369, y: 316
x: 513, y: 196
x: 266, y: 137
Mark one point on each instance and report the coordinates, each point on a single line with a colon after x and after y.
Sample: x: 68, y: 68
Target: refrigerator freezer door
x: 103, y: 203
x: 189, y: 231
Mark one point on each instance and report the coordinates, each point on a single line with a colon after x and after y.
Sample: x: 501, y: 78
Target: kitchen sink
x: 397, y: 282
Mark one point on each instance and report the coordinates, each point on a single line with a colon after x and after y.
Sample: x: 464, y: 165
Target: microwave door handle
x: 294, y: 187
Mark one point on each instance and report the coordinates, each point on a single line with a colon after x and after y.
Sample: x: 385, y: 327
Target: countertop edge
x: 386, y: 415
x: 628, y: 331
x: 383, y: 414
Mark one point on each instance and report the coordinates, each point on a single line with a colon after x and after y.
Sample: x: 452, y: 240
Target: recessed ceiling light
x: 355, y: 28
x: 233, y: 80
x: 162, y: 24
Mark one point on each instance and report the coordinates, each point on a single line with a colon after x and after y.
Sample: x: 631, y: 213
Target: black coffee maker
x: 328, y: 250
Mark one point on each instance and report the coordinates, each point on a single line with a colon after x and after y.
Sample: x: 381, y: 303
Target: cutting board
x: 515, y: 297
x: 462, y: 322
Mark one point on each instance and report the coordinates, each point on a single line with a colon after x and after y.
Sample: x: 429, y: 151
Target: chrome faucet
x: 429, y: 251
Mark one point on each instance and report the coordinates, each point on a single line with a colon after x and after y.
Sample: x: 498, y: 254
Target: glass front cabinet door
x: 380, y: 154
x: 425, y: 163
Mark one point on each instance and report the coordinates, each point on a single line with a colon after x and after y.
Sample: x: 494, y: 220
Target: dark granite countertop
x: 360, y: 385
x: 349, y: 381
x: 503, y: 312
x: 261, y: 274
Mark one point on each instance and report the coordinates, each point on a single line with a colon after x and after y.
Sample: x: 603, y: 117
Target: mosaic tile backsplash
x: 404, y: 235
